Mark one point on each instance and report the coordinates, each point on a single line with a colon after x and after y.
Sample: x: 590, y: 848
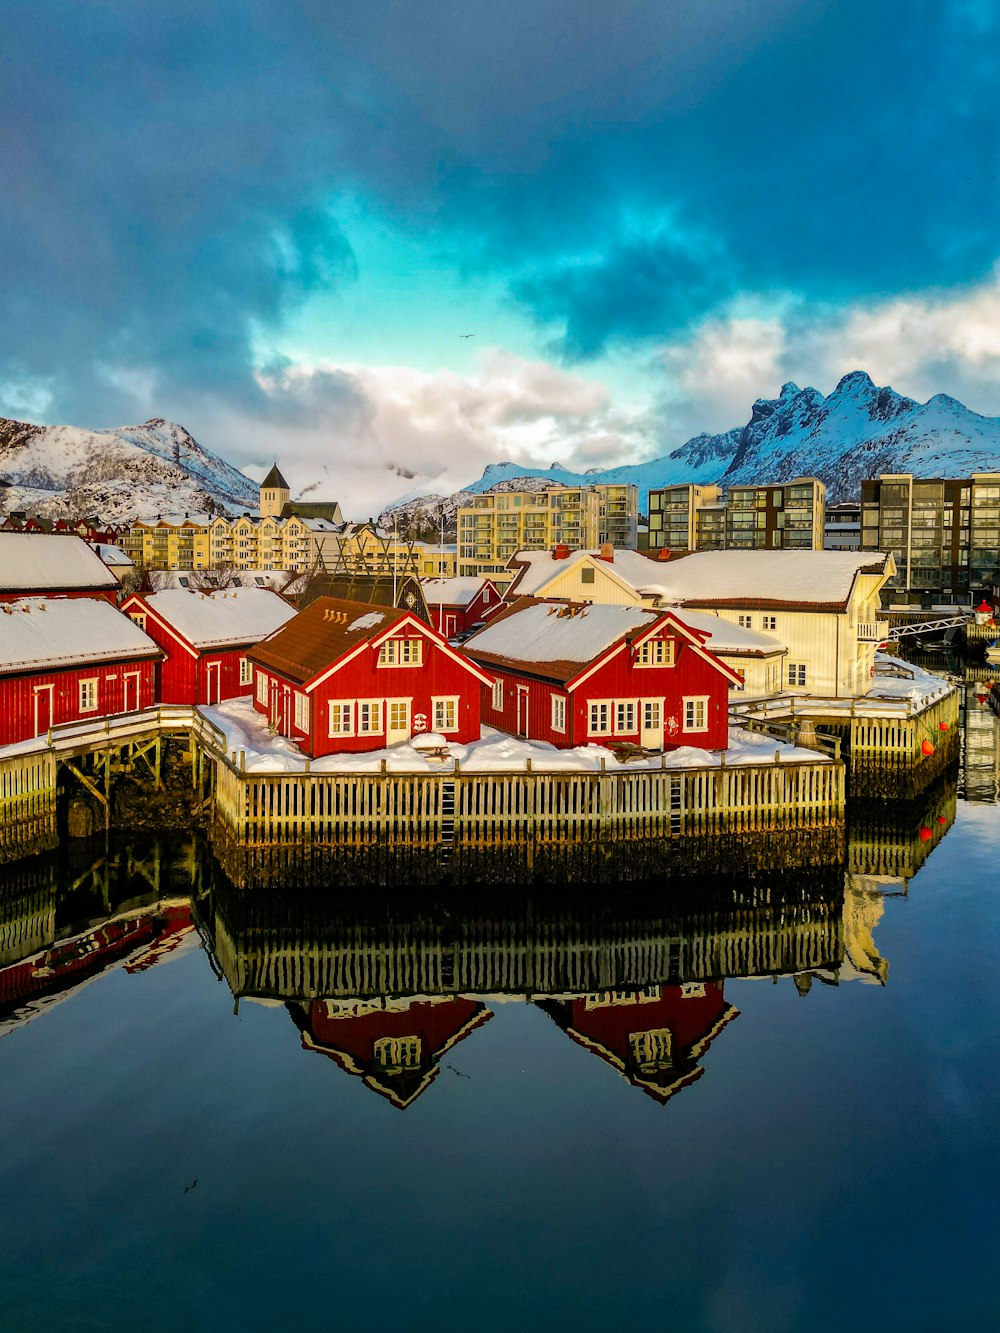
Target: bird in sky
x: 466, y: 335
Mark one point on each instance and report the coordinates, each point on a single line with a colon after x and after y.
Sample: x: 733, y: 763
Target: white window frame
x: 397, y: 652
x: 594, y: 704
x: 691, y: 704
x: 770, y: 622
x: 88, y: 690
x: 246, y: 671
x: 302, y: 712
x: 496, y: 696
x: 261, y: 688
x: 657, y: 653
x: 344, y: 710
x: 621, y: 705
x: 656, y: 703
x: 558, y: 712
x: 375, y: 707
x: 795, y: 673
x: 445, y: 701
x: 745, y: 622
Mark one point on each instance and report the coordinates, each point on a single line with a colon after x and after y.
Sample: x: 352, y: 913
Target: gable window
x: 445, y: 714
x: 138, y: 618
x: 656, y: 652
x: 796, y: 673
x: 696, y: 714
x: 301, y: 711
x: 261, y: 688
x: 341, y: 717
x: 88, y: 696
x: 587, y: 574
x: 497, y: 695
x: 246, y: 672
x: 625, y: 711
x: 558, y: 713
x: 401, y: 652
x: 600, y: 717
x: 369, y: 717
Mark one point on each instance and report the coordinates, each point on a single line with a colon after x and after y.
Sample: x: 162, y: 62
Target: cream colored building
x: 496, y: 526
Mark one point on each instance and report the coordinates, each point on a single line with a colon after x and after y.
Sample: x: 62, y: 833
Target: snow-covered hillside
x: 857, y: 431
x: 130, y: 472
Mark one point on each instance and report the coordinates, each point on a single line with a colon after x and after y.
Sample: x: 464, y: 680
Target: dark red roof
x: 321, y: 634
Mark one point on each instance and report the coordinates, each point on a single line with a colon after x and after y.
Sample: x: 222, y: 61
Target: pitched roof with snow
x: 539, y: 567
x: 725, y: 637
x: 112, y: 556
x: 812, y: 580
x: 51, y: 633
x: 221, y: 619
x: 50, y: 562
x: 452, y: 592
x: 316, y: 637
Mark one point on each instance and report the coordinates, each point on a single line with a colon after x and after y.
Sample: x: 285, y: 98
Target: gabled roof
x: 810, y: 580
x: 453, y: 592
x: 536, y: 569
x: 218, y: 619
x: 274, y: 480
x: 45, y: 633
x: 50, y: 562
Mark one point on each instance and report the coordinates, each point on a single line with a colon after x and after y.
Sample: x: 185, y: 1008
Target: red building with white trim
x: 575, y: 674
x: 205, y: 638
x: 42, y: 564
x: 69, y: 660
x: 346, y: 677
x: 455, y: 605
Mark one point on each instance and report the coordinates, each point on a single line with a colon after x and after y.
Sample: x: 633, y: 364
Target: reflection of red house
x: 394, y: 1046
x: 653, y: 1037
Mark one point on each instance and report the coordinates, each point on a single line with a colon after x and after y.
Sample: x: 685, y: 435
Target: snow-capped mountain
x: 857, y: 431
x: 127, y: 473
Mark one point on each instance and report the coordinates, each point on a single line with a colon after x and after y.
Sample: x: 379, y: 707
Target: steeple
x: 274, y: 494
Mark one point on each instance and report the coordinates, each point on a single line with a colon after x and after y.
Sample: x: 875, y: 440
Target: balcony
x: 875, y: 632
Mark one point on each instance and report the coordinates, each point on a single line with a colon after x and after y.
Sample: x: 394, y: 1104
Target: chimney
x: 664, y: 553
x: 607, y: 553
x: 561, y: 552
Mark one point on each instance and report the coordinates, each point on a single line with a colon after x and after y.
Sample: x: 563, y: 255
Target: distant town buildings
x: 943, y: 532
x: 788, y: 517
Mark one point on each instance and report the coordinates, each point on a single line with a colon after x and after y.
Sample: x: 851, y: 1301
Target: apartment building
x: 619, y: 522
x: 495, y: 526
x: 772, y: 517
x: 943, y: 532
x: 842, y: 529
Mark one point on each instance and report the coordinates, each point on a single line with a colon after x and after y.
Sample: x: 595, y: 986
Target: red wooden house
x: 456, y: 605
x: 205, y: 638
x: 575, y: 674
x: 654, y: 1037
x: 394, y: 1046
x: 69, y: 660
x: 347, y: 676
x: 41, y: 564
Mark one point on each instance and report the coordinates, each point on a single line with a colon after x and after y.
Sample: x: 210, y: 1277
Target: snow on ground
x: 246, y: 730
x: 916, y: 684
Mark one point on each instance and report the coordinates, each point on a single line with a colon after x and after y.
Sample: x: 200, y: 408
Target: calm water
x: 764, y: 1106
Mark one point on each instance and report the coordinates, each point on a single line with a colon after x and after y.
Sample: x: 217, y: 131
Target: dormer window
x: 401, y: 652
x: 656, y: 652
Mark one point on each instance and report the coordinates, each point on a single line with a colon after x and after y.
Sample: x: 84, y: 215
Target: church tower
x: 274, y: 494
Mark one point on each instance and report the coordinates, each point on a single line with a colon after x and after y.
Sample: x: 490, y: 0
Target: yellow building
x: 494, y: 527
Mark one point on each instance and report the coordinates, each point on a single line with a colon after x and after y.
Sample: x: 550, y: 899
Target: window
x: 401, y: 652
x: 587, y: 574
x: 600, y: 717
x: 558, y: 713
x: 497, y: 697
x: 88, y: 696
x: 246, y: 672
x: 139, y: 618
x: 301, y: 712
x: 652, y: 715
x: 341, y: 717
x: 770, y: 622
x: 393, y: 1055
x: 445, y: 714
x: 261, y: 688
x: 746, y: 622
x: 656, y: 652
x: 369, y: 717
x: 696, y: 714
x: 625, y: 712
x: 743, y: 679
x: 796, y: 673
x: 650, y: 1049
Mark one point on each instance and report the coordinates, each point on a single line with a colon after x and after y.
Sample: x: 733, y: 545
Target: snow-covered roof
x: 217, y: 619
x: 817, y: 579
x: 634, y: 568
x: 207, y: 580
x: 113, y: 556
x: 451, y: 592
x: 50, y: 562
x: 554, y: 634
x: 725, y: 637
x: 66, y: 631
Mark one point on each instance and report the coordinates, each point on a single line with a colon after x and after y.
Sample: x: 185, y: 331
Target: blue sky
x: 275, y: 222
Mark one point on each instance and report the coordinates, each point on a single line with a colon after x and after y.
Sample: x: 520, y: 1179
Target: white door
x: 651, y: 737
x: 397, y: 721
x: 43, y: 709
x: 213, y: 692
x: 522, y: 711
x: 130, y: 692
